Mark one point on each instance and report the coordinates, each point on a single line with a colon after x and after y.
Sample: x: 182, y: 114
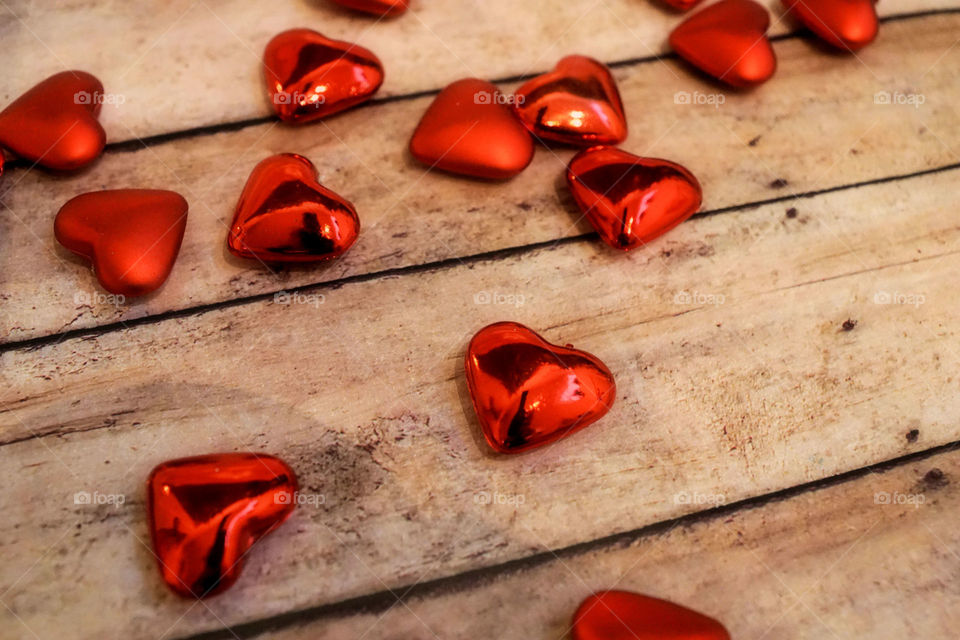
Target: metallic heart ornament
x: 631, y: 200
x: 728, y: 41
x: 845, y: 24
x: 468, y: 129
x: 528, y: 392
x: 623, y: 615
x: 131, y: 236
x: 310, y: 76
x: 207, y: 511
x: 285, y: 215
x: 577, y: 103
x: 376, y: 7
x: 55, y: 123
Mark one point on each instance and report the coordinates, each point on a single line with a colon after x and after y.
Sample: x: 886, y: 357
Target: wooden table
x: 782, y: 454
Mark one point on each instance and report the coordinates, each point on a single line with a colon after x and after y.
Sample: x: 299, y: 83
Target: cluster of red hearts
x: 207, y: 511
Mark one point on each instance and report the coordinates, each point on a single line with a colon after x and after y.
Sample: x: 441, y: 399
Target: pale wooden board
x: 831, y: 563
x: 815, y: 125
x: 190, y: 63
x: 364, y: 396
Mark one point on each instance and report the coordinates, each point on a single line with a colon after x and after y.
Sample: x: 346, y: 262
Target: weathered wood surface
x: 188, y: 63
x: 815, y: 125
x: 831, y: 563
x: 363, y: 395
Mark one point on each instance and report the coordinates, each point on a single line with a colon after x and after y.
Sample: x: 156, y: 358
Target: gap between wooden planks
x: 363, y: 395
x: 413, y: 217
x: 189, y: 63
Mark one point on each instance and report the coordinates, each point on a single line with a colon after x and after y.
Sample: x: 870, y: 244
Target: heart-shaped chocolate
x: 132, y: 236
x: 310, y: 76
x: 728, y: 40
x: 577, y: 103
x: 376, y: 7
x: 207, y: 511
x: 55, y: 123
x: 469, y: 129
x: 285, y: 215
x: 623, y: 615
x: 528, y: 392
x: 845, y: 24
x: 631, y: 200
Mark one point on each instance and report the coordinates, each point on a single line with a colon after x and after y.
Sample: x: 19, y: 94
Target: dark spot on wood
x: 848, y: 324
x: 779, y: 183
x: 792, y: 213
x: 912, y: 435
x: 754, y: 142
x: 935, y: 479
x: 526, y: 206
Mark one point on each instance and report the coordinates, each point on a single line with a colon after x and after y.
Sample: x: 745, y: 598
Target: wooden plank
x: 186, y: 64
x: 411, y: 217
x: 831, y: 563
x: 364, y: 396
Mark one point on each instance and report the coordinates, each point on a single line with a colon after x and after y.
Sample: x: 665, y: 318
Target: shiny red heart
x: 528, y: 392
x: 207, y: 511
x: 577, y: 103
x: 469, y: 129
x: 55, y: 123
x: 310, y: 76
x: 845, y: 24
x: 631, y: 200
x: 132, y: 236
x: 728, y: 41
x: 376, y: 7
x: 622, y: 615
x: 682, y: 5
x: 285, y: 215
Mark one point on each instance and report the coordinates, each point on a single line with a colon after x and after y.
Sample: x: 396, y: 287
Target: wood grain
x: 831, y: 563
x: 740, y: 151
x: 735, y: 375
x: 188, y: 63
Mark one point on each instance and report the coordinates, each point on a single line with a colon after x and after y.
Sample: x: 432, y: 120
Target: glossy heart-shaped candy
x: 622, y: 615
x: 845, y: 24
x: 207, y: 511
x: 376, y: 7
x: 55, y: 123
x: 468, y: 129
x: 528, y: 392
x: 310, y: 76
x: 285, y: 215
x: 728, y: 41
x: 631, y: 200
x: 132, y: 236
x: 577, y: 103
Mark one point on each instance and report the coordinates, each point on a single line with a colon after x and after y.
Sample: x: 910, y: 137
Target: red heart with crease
x: 528, y: 392
x: 207, y: 511
x: 55, y: 123
x: 631, y: 200
x: 310, y: 76
x: 376, y: 7
x: 728, y: 41
x: 468, y: 129
x: 623, y: 615
x: 845, y: 24
x: 285, y: 215
x: 132, y: 236
x: 577, y: 103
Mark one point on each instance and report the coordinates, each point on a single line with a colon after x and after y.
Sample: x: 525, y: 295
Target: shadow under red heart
x: 286, y: 215
x: 387, y: 8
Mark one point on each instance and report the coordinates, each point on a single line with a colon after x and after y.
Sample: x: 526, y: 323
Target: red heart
x: 132, y: 236
x: 631, y: 200
x: 528, y: 392
x: 728, y: 41
x: 310, y: 76
x: 55, y: 123
x: 682, y: 5
x: 376, y: 7
x: 285, y: 215
x: 622, y: 615
x: 207, y: 511
x: 845, y: 24
x: 469, y: 129
x: 577, y: 103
